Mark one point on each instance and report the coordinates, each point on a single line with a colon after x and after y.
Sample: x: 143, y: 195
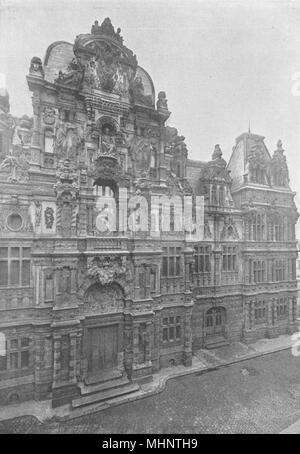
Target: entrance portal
x: 103, y: 334
x: 102, y: 349
x: 215, y: 321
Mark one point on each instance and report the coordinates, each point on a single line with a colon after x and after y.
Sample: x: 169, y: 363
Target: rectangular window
x: 171, y: 330
x: 282, y: 307
x: 256, y: 227
x: 142, y: 283
x: 259, y: 271
x: 152, y: 281
x: 278, y: 229
x: 280, y: 270
x: 171, y: 262
x: 260, y: 312
x: 14, y: 266
x: 229, y: 260
x: 18, y: 354
x: 202, y: 259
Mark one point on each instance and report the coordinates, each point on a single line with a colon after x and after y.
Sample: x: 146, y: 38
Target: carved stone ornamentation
x: 73, y: 76
x: 105, y: 269
x: 174, y: 144
x: 110, y: 68
x: 162, y: 102
x: 38, y: 213
x: 68, y: 141
x: 49, y: 116
x: 137, y: 92
x: 15, y: 164
x: 49, y: 217
x: 278, y: 167
x: 256, y: 166
x: 229, y: 231
x: 103, y: 299
x: 106, y: 28
x: 36, y: 67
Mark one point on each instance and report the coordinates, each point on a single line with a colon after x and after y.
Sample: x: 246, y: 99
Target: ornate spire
x: 106, y: 28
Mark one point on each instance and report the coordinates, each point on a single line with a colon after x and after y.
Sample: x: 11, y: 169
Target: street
x: 254, y: 396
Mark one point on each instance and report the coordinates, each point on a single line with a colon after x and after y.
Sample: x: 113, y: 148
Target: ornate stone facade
x: 80, y: 304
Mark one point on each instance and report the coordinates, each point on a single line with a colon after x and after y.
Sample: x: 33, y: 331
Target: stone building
x: 87, y: 313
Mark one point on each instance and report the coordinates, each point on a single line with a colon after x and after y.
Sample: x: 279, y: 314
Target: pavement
x: 203, y: 361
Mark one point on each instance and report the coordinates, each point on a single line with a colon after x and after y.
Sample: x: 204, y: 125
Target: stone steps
x: 91, y: 389
x: 103, y: 377
x: 101, y: 396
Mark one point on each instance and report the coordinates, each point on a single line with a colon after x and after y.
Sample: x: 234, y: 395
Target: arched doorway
x: 103, y: 332
x: 215, y: 320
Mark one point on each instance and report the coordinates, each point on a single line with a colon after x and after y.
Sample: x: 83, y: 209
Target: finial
x: 249, y: 131
x: 217, y: 152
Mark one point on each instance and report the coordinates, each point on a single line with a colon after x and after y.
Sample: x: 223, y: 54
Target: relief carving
x: 105, y: 269
x: 103, y: 299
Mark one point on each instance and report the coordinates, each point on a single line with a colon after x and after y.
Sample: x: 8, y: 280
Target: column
x: 35, y: 140
x: 295, y: 309
x: 74, y: 219
x: 270, y: 314
x: 72, y: 363
x: 56, y: 359
x: 148, y: 341
x: 274, y: 310
x: 252, y: 314
x: 82, y: 218
x: 135, y: 344
x: 188, y: 338
x: 247, y: 316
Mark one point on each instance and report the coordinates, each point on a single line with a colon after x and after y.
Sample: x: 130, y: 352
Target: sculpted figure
x: 107, y: 143
x: 67, y: 141
x: 137, y: 92
x: 162, y: 102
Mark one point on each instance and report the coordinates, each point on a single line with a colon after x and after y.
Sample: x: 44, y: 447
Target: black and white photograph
x: 149, y: 206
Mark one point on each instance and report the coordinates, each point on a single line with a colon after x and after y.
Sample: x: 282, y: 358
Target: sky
x: 223, y: 64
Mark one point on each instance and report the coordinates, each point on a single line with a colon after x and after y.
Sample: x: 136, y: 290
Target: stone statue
x: 137, y: 92
x: 36, y: 66
x: 106, y: 28
x: 16, y: 163
x: 162, y: 102
x: 107, y: 145
x: 68, y: 141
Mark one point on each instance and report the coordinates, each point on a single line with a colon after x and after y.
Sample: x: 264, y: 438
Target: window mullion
x: 21, y: 266
x: 8, y: 267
